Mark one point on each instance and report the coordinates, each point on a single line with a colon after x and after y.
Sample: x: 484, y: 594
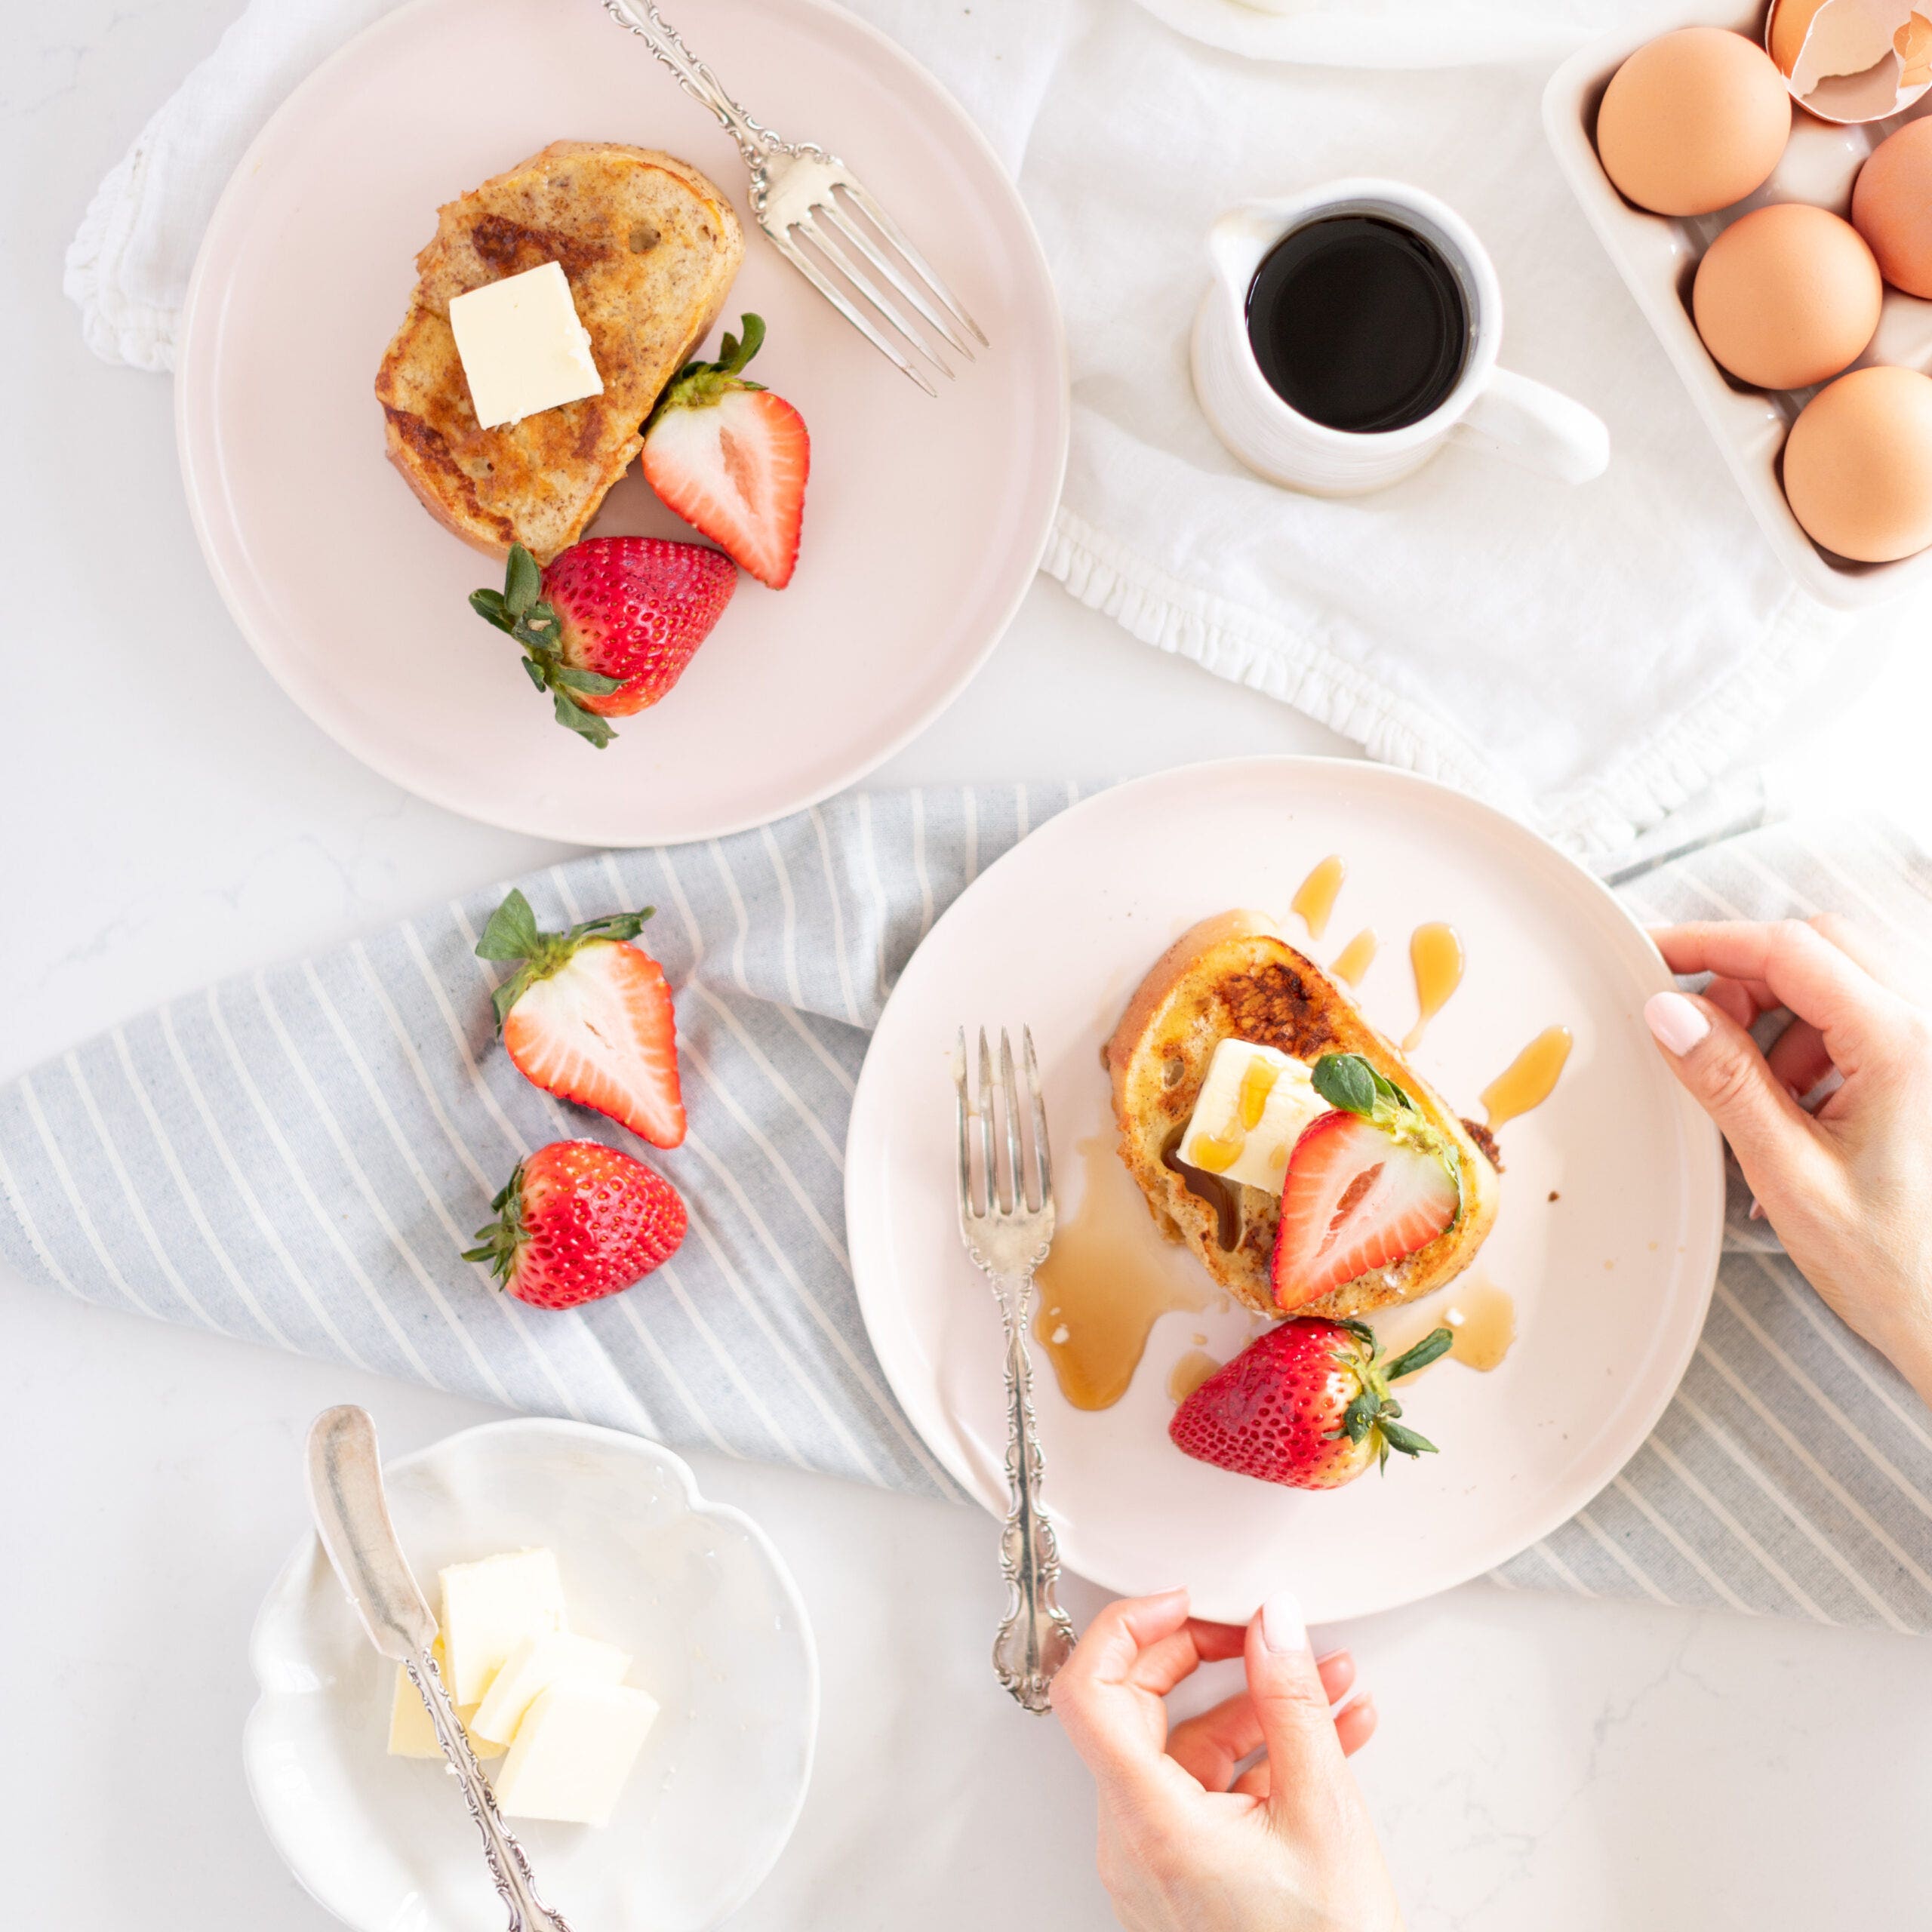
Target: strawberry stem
x: 698, y: 385
x: 499, y: 1241
x: 514, y: 934
x: 1435, y: 1344
x: 519, y: 609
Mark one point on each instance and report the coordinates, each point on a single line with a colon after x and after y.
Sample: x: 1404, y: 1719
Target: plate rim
x: 869, y: 1256
x: 308, y: 1547
x: 194, y: 400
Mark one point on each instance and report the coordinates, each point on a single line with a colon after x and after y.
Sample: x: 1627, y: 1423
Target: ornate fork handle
x: 508, y: 1866
x: 1036, y: 1636
x: 756, y: 142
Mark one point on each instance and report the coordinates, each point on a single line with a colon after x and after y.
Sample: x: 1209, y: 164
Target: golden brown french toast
x: 1234, y: 977
x: 650, y: 248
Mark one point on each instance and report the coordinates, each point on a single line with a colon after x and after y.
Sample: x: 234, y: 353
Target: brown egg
x: 1787, y: 296
x: 1693, y: 121
x: 1858, y: 465
x: 1891, y: 207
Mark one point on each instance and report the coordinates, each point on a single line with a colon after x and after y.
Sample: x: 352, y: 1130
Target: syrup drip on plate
x: 1188, y: 1374
x: 1530, y: 1079
x: 1436, y: 954
x: 1314, y: 897
x: 1109, y: 1278
x: 1480, y: 1316
x: 1355, y: 959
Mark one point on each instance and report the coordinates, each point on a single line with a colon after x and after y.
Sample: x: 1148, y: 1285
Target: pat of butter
x: 522, y: 347
x: 573, y: 1750
x: 1292, y: 1102
x: 489, y: 1608
x: 411, y: 1734
x: 536, y: 1664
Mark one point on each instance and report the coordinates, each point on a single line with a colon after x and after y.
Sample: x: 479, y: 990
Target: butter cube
x: 536, y: 1664
x: 411, y: 1734
x: 489, y: 1608
x: 574, y: 1749
x: 522, y: 347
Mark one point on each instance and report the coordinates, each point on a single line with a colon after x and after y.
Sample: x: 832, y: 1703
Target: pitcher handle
x: 1538, y: 427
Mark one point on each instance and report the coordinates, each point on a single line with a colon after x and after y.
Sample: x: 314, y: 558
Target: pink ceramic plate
x: 1607, y: 1241
x: 924, y: 519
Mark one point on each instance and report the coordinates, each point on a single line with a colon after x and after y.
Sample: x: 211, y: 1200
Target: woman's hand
x: 1847, y: 1188
x: 1189, y: 1842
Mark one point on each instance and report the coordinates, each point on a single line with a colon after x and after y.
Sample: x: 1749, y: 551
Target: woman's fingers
x: 1113, y: 1718
x: 1355, y: 1725
x: 1812, y: 975
x: 1735, y: 1001
x: 1208, y: 1747
x: 1774, y: 1139
x: 1799, y: 1058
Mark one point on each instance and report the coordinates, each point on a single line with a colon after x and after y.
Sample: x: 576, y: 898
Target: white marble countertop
x: 172, y: 817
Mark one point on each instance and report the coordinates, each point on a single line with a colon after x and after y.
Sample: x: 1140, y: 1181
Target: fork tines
x: 835, y: 232
x: 1013, y: 1174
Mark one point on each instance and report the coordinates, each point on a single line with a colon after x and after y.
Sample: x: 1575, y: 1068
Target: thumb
x: 1304, y: 1755
x: 1773, y: 1136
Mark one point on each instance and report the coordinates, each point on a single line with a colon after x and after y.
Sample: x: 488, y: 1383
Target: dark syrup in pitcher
x: 1358, y: 323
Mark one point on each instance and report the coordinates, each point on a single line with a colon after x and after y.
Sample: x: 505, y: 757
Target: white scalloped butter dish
x: 692, y: 1589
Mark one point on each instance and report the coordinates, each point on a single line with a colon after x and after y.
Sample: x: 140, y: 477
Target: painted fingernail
x: 1678, y: 1022
x: 1282, y: 1629
x: 1757, y: 1213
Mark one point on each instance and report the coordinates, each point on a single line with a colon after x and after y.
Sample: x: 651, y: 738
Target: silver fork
x: 794, y: 192
x: 1006, y: 1219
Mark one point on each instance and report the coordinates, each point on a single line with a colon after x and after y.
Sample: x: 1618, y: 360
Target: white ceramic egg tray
x: 1657, y: 256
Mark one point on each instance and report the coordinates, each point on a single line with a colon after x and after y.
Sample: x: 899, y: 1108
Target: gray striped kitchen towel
x: 296, y: 1157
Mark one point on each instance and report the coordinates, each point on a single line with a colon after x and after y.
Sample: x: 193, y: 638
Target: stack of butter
x: 525, y: 1683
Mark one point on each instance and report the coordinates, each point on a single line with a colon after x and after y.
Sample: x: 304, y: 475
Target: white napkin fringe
x: 1690, y: 753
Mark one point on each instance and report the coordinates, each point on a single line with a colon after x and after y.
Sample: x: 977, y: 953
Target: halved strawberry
x: 732, y: 458
x: 1366, y: 1186
x: 588, y: 1017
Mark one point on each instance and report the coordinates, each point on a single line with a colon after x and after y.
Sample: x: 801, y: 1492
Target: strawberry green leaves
x: 513, y: 933
x: 1373, y: 1415
x: 1350, y: 1082
x: 519, y: 609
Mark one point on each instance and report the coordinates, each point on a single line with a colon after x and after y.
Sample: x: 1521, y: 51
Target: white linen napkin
x: 1588, y: 659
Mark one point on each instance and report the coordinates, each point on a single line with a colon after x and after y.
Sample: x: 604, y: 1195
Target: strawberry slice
x: 731, y: 458
x: 1366, y: 1186
x: 588, y: 1017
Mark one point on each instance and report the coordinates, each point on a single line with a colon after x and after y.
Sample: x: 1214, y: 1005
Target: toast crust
x: 650, y: 248
x: 1234, y: 976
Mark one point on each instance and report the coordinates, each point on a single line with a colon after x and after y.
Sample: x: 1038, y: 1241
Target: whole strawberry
x: 1307, y: 1404
x: 577, y: 1221
x: 609, y: 626
x: 587, y: 1016
x: 731, y: 458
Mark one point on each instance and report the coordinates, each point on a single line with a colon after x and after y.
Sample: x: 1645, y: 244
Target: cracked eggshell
x: 1851, y: 61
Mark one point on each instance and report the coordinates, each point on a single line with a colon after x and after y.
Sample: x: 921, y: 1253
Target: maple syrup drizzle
x: 1355, y: 959
x: 1436, y: 954
x: 1530, y: 1079
x: 1481, y: 1317
x: 1188, y: 1374
x: 1314, y: 897
x: 1107, y: 1279
x: 1220, y: 1194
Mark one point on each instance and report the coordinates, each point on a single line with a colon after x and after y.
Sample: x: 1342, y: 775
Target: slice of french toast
x: 1234, y: 977
x: 650, y: 248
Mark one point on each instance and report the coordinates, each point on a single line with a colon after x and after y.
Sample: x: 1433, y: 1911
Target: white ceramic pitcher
x: 1508, y: 415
